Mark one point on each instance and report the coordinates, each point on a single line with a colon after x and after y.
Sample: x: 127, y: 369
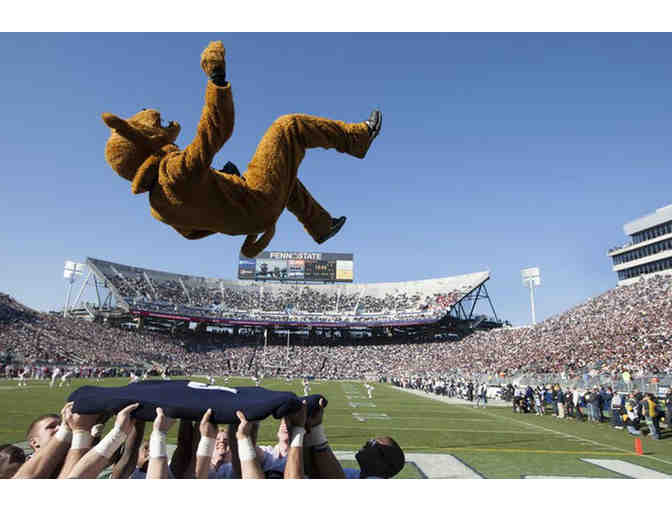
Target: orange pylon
x: 638, y: 446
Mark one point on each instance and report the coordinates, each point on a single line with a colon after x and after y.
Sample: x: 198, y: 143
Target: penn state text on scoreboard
x: 297, y: 266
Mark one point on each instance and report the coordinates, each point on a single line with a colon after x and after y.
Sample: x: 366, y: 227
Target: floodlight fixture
x: 531, y: 278
x: 71, y: 271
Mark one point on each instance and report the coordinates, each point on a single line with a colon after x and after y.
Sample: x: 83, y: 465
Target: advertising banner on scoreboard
x: 297, y: 266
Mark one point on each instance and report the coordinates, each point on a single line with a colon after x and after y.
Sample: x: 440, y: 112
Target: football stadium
x: 413, y: 361
x: 208, y: 332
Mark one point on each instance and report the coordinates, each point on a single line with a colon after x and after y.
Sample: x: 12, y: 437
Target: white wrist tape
x: 81, y: 439
x: 206, y: 447
x: 157, y: 445
x: 297, y: 435
x: 97, y: 430
x: 246, y: 449
x: 316, y: 437
x: 63, y: 434
x: 111, y: 442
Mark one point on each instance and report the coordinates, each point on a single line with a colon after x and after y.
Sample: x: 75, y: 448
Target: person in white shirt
x: 369, y: 389
x: 54, y: 376
x: 576, y: 396
x: 22, y: 377
x: 65, y: 379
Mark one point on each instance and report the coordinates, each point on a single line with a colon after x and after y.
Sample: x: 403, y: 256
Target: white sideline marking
x: 361, y: 404
x: 370, y: 416
x: 432, y: 465
x: 551, y: 477
x: 441, y: 466
x: 627, y: 468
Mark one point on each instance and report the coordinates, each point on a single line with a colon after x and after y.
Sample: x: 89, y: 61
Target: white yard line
x: 432, y: 465
x: 627, y: 468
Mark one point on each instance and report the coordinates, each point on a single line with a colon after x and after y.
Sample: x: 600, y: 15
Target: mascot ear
x: 113, y: 121
x: 126, y: 130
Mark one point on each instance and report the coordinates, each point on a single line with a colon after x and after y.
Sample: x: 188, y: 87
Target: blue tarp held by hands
x: 189, y: 400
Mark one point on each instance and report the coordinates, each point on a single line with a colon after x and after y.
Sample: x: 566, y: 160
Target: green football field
x: 490, y: 443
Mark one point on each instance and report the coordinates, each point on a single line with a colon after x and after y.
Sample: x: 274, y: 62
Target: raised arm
x: 98, y: 457
x: 125, y: 466
x: 158, y: 454
x: 216, y: 124
x: 206, y: 445
x: 247, y: 453
x: 46, y: 461
x: 296, y: 424
x: 82, y: 440
x: 324, y: 462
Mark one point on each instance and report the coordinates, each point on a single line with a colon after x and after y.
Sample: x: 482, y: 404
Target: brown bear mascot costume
x: 198, y: 201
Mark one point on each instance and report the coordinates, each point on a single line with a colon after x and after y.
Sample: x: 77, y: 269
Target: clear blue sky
x: 498, y: 151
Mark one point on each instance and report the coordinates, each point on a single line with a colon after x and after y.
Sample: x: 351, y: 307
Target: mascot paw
x: 213, y: 59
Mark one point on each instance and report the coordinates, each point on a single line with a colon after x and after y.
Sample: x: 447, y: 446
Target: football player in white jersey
x: 54, y: 376
x: 65, y: 379
x: 22, y: 377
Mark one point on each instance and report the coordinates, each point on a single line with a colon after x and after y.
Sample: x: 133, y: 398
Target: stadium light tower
x: 531, y: 279
x: 70, y: 272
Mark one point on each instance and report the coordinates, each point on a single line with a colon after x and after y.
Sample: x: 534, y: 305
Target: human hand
x: 66, y: 414
x: 244, y: 428
x: 207, y: 428
x: 124, y: 420
x: 316, y: 418
x: 297, y: 418
x: 78, y: 421
x: 162, y: 423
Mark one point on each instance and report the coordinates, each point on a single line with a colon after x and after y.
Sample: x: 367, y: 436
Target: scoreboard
x: 297, y: 266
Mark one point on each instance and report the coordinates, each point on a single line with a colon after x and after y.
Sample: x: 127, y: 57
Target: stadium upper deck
x: 650, y: 248
x: 156, y: 293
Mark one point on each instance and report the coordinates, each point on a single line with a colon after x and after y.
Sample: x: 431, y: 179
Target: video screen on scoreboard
x: 297, y: 266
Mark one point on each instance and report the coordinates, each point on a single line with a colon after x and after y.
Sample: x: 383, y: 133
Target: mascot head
x: 137, y: 142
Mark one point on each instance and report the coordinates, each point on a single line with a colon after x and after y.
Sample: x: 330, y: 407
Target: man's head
x: 11, y: 459
x: 222, y: 450
x: 42, y: 430
x: 381, y: 457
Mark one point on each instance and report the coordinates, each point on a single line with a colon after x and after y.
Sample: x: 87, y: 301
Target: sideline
x: 451, y: 400
x: 563, y: 434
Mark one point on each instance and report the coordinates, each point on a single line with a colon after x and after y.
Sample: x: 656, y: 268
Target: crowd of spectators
x: 623, y: 330
x: 209, y: 297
